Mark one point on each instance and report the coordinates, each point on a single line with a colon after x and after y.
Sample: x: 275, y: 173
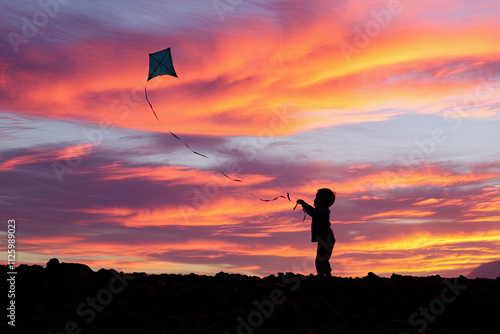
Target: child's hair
x: 327, y: 195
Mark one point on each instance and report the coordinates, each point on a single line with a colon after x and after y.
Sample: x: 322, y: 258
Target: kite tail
x: 146, y: 93
x: 186, y: 144
x: 173, y: 134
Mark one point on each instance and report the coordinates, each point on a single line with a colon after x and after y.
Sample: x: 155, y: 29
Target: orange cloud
x: 405, y: 254
x: 359, y: 167
x: 70, y: 153
x: 493, y: 204
x: 365, y: 197
x: 243, y: 81
x: 385, y: 180
x: 449, y: 71
x: 180, y: 175
x: 428, y: 201
x: 65, y: 240
x: 399, y: 213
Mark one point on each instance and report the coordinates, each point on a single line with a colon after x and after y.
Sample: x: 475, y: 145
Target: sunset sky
x: 394, y: 105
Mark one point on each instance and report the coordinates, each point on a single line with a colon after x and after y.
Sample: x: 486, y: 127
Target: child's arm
x: 311, y: 211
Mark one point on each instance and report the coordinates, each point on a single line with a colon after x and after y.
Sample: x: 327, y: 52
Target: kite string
x: 237, y: 141
x: 150, y: 105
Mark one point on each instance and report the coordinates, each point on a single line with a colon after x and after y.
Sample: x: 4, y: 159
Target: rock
x: 53, y: 264
x: 232, y: 303
x: 54, y: 267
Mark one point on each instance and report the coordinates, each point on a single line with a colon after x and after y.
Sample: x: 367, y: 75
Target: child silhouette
x: 320, y: 229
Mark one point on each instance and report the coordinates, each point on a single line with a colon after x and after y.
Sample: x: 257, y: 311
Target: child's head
x: 324, y: 197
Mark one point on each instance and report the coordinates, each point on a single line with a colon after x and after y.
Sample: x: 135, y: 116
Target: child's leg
x: 320, y: 256
x: 323, y: 254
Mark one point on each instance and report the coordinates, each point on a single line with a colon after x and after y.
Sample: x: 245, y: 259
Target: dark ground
x: 70, y: 298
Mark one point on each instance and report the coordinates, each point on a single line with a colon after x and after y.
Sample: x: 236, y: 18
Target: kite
x: 160, y: 63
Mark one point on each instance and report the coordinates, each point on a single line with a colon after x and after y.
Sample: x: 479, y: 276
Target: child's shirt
x: 320, y: 224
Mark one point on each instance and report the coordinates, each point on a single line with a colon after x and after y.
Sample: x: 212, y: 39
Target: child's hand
x: 301, y: 202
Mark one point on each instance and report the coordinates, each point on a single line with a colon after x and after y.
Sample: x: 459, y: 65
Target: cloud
x: 110, y: 203
x: 428, y: 201
x: 266, y: 92
x: 241, y: 80
x: 396, y: 213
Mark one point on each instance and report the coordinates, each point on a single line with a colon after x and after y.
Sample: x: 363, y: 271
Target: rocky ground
x: 71, y: 298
